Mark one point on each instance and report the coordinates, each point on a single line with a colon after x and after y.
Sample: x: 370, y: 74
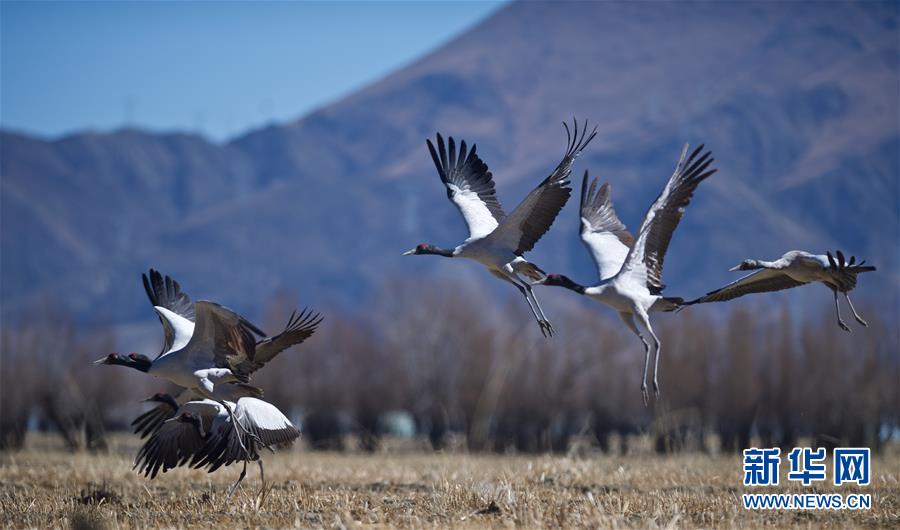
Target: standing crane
x: 211, y: 434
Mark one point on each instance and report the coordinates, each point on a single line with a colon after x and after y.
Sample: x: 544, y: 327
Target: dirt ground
x: 44, y: 486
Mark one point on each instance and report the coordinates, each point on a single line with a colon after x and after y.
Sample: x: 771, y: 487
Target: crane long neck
x: 142, y: 365
x: 571, y: 285
x: 439, y: 251
x: 754, y: 264
x: 777, y: 265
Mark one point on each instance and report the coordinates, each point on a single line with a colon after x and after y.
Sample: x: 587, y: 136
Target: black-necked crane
x: 206, y: 433
x: 150, y: 421
x: 208, y: 348
x: 793, y: 269
x: 496, y: 240
x: 630, y: 269
x: 167, y: 405
x: 207, y: 345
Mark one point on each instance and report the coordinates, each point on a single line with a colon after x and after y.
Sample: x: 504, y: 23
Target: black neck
x: 142, y: 365
x: 169, y: 400
x: 438, y: 251
x: 567, y: 282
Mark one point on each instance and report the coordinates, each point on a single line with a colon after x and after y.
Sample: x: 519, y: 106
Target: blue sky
x: 219, y: 68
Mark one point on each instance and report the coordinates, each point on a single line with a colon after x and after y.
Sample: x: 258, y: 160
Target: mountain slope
x: 798, y: 102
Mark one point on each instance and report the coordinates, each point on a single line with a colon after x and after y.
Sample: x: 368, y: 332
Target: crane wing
x: 166, y: 293
x: 265, y: 421
x: 267, y: 425
x: 533, y: 216
x: 604, y: 235
x: 222, y: 338
x: 150, y: 421
x: 761, y: 281
x: 470, y: 186
x: 299, y: 328
x: 177, y: 440
x: 645, y: 259
x: 179, y: 330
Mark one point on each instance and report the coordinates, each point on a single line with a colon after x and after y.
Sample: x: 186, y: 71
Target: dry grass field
x: 44, y: 487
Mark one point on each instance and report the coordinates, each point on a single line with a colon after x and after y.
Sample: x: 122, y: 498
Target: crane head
x: 421, y: 248
x: 137, y: 357
x: 424, y: 248
x: 193, y: 419
x: 132, y: 360
x: 162, y: 397
x: 746, y: 265
x: 112, y: 358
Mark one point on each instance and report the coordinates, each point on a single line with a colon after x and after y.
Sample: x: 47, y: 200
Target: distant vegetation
x: 727, y: 378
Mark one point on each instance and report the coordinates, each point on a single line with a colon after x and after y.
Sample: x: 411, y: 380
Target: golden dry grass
x: 44, y: 487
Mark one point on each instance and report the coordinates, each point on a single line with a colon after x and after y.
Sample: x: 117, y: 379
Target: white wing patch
x: 262, y: 415
x: 206, y: 408
x: 182, y: 328
x: 476, y: 214
x: 606, y: 248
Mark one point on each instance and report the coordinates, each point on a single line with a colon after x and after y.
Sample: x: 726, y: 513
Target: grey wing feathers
x: 761, y: 281
x: 554, y: 191
x: 575, y: 145
x: 601, y: 231
x: 533, y: 216
x: 165, y: 292
x: 597, y: 209
x: 843, y: 273
x: 223, y: 447
x: 150, y: 421
x: 229, y: 337
x: 467, y: 172
x: 173, y: 445
x: 300, y: 327
x: 667, y: 211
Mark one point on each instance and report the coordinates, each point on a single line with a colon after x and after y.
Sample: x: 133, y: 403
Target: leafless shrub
x: 465, y: 364
x: 47, y: 379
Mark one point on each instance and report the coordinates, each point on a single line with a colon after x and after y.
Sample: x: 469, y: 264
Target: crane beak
x: 101, y: 360
x: 409, y: 252
x: 539, y: 282
x: 736, y: 268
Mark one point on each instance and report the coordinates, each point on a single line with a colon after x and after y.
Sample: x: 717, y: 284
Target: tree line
x: 462, y: 366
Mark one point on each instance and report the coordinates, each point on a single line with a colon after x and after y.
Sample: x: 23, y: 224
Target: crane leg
x: 263, y: 491
x: 855, y: 314
x: 837, y: 309
x: 531, y: 306
x: 524, y: 292
x: 657, y: 348
x: 241, y: 431
x: 237, y: 427
x: 262, y: 473
x: 544, y: 323
x: 645, y: 321
x: 628, y: 319
x: 240, y: 478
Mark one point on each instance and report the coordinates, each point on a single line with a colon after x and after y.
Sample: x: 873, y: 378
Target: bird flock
x: 210, y: 352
